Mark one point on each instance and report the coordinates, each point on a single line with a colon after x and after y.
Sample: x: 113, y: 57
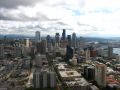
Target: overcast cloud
x: 16, y: 3
x: 85, y: 17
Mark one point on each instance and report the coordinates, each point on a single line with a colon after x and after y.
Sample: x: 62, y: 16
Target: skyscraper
x: 81, y: 42
x: 87, y: 54
x: 69, y: 39
x: 38, y: 60
x: 110, y: 52
x: 69, y: 53
x: 64, y: 34
x: 57, y: 40
x: 38, y: 47
x: 27, y: 42
x: 49, y: 42
x: 100, y: 74
x: 44, y: 79
x: 41, y: 47
x: 74, y: 40
x: 38, y: 37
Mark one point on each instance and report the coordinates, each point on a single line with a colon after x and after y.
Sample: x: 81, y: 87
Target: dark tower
x: 64, y: 34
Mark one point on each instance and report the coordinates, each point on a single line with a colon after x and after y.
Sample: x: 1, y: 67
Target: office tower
x: 69, y: 53
x: 51, y: 79
x: 38, y: 47
x: 41, y: 47
x: 110, y: 52
x: 81, y: 42
x: 27, y: 42
x: 49, y: 42
x: 44, y: 79
x: 69, y: 40
x: 93, y: 51
x: 57, y: 40
x: 63, y: 43
x: 38, y: 60
x: 25, y: 51
x: 87, y: 55
x: 64, y: 34
x: 37, y: 36
x: 89, y: 72
x: 74, y: 40
x: 100, y: 74
x: 32, y: 52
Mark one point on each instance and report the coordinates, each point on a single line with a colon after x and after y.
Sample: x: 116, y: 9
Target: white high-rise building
x: 100, y: 74
x: 87, y: 55
x: 52, y: 79
x: 38, y: 37
x: 57, y: 40
x: 44, y: 79
x: 27, y: 42
x: 74, y: 40
x: 38, y: 60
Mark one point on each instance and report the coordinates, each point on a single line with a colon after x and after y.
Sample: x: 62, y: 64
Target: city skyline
x: 95, y: 18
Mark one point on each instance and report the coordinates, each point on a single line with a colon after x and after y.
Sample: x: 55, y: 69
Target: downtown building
x: 37, y: 36
x: 44, y: 79
x: 72, y: 79
x: 100, y: 74
x: 74, y: 40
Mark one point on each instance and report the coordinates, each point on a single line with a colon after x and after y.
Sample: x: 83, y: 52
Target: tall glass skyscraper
x: 57, y: 40
x: 37, y: 36
x: 69, y: 39
x: 74, y: 40
x: 64, y: 34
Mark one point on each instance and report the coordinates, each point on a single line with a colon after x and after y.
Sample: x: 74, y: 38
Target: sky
x: 92, y: 18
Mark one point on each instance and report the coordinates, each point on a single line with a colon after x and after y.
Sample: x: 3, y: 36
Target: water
x: 116, y: 51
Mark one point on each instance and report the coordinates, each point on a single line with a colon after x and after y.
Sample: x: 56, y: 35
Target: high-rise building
x: 57, y: 40
x: 110, y: 52
x: 49, y: 42
x: 38, y: 37
x: 100, y: 74
x: 87, y: 55
x: 64, y: 34
x: 27, y: 42
x: 32, y: 52
x: 89, y: 72
x: 69, y: 39
x: 44, y: 79
x: 81, y: 42
x: 38, y: 61
x: 63, y: 43
x: 38, y: 47
x: 69, y: 53
x: 74, y: 40
x: 41, y: 47
x: 25, y: 51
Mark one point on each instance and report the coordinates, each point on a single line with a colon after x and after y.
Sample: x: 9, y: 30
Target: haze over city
x: 59, y: 45
x: 94, y: 18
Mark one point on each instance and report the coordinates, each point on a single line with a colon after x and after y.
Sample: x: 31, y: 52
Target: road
x: 59, y: 85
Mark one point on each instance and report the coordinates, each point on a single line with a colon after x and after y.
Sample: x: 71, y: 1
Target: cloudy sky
x: 99, y: 18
